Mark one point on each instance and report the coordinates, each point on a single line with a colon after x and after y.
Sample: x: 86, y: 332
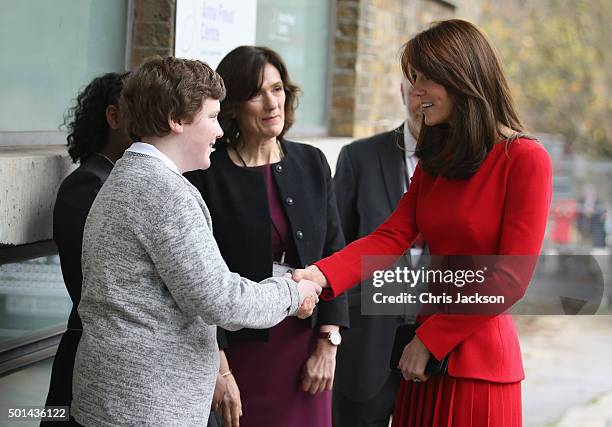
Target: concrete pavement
x: 568, y: 368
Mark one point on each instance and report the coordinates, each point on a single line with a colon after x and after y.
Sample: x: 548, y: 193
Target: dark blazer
x: 74, y: 199
x: 238, y: 203
x: 369, y: 181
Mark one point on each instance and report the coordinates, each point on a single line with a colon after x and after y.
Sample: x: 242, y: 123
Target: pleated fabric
x: 458, y: 402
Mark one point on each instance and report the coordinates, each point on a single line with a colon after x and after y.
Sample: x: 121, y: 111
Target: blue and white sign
x: 208, y: 29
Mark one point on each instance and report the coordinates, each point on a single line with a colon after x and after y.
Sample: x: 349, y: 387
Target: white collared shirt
x: 411, y: 163
x: 410, y: 158
x: 151, y: 150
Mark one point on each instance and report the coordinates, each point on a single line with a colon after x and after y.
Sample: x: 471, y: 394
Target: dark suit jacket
x: 369, y: 182
x: 74, y: 199
x: 238, y: 203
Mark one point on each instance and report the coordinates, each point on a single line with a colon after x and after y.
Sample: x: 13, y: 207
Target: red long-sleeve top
x: 501, y: 210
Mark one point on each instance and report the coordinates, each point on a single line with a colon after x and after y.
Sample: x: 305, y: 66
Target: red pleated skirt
x: 458, y: 402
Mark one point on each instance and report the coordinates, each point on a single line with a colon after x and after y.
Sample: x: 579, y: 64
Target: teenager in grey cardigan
x: 154, y: 287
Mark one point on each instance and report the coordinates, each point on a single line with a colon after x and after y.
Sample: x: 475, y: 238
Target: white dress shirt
x: 410, y: 159
x: 411, y: 163
x: 151, y: 150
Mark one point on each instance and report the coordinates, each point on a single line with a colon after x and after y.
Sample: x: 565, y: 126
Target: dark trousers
x: 374, y: 412
x: 60, y: 386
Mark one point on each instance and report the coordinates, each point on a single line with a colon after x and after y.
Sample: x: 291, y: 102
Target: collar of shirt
x: 151, y: 150
x: 409, y: 141
x: 410, y: 160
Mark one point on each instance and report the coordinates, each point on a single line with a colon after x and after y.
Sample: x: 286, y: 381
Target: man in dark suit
x: 371, y: 176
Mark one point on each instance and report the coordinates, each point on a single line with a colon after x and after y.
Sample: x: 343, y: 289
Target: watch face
x: 335, y: 338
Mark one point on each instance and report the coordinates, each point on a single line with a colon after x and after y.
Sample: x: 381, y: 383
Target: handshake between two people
x: 310, y: 282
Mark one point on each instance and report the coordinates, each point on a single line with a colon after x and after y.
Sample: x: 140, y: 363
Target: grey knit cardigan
x: 154, y: 287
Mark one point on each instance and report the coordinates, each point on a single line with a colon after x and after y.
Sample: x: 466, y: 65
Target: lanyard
x: 280, y: 151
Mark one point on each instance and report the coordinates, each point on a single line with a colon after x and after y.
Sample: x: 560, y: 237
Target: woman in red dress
x: 481, y: 188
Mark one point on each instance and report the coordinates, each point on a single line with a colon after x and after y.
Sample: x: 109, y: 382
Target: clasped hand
x: 309, y: 297
x: 311, y: 273
x: 310, y: 283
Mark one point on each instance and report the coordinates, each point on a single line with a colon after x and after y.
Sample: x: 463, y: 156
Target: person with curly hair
x: 96, y: 139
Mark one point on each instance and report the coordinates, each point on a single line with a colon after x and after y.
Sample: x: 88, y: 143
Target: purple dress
x: 269, y: 373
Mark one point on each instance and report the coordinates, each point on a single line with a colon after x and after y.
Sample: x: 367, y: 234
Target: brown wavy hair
x: 242, y: 72
x: 457, y: 55
x: 163, y: 88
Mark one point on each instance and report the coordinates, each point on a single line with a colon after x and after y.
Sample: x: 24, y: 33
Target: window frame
x: 19, y: 353
x: 58, y: 137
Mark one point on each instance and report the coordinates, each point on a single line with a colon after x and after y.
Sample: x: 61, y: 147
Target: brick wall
x: 365, y: 73
x: 152, y: 29
x: 366, y: 76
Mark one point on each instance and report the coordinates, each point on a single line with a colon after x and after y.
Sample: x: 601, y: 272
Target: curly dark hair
x: 86, y: 121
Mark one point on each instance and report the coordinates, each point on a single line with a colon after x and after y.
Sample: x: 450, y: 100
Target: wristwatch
x: 333, y: 337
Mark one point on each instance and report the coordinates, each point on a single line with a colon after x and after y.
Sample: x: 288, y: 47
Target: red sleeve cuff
x: 326, y: 268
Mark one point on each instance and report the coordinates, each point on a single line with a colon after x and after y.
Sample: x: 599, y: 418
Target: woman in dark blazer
x: 272, y: 201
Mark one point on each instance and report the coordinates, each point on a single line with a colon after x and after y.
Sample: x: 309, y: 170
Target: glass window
x: 299, y: 31
x: 32, y: 298
x: 49, y: 50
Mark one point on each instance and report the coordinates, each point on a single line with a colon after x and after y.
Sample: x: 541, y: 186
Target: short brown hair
x: 242, y: 72
x: 458, y: 56
x: 163, y: 88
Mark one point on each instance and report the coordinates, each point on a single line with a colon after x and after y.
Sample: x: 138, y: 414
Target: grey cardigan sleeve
x: 186, y: 256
